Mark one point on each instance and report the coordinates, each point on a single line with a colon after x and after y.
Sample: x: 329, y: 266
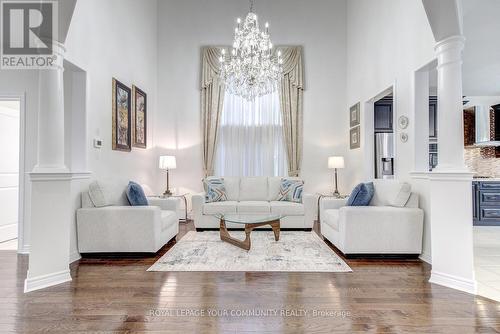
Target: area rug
x: 294, y: 252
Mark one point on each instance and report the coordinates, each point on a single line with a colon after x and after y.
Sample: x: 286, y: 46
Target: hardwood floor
x: 119, y: 296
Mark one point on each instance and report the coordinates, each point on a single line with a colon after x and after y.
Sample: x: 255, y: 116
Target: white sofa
x: 254, y: 195
x: 122, y: 228
x: 375, y: 229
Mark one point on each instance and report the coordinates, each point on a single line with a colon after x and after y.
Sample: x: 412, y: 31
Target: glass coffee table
x: 249, y: 222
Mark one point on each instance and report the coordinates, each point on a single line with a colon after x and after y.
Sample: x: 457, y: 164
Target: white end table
x: 175, y: 197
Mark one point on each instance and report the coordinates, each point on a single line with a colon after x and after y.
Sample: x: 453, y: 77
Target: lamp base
x: 336, y: 193
x: 167, y: 193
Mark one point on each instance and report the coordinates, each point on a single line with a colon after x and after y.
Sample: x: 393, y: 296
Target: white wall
x: 387, y: 40
x: 115, y: 38
x: 9, y: 168
x: 185, y: 26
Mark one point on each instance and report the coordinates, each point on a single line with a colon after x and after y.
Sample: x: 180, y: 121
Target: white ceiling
x: 481, y: 67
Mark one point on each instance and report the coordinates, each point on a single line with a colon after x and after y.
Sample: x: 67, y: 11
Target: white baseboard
x: 44, y: 281
x: 453, y: 282
x: 8, y: 232
x: 74, y: 256
x: 25, y: 249
x: 425, y: 257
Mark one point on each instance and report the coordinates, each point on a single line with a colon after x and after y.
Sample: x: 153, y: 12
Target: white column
x: 450, y: 108
x: 50, y: 187
x: 450, y: 183
x: 421, y: 124
x: 51, y: 116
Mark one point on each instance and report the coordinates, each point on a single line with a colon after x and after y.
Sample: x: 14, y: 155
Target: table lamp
x: 336, y: 163
x: 167, y: 162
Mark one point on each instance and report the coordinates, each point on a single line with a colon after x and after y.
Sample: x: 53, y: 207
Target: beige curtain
x: 291, y: 100
x: 212, y: 100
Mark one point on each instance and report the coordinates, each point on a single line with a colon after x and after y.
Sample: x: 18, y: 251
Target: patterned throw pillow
x: 291, y: 190
x: 215, y: 191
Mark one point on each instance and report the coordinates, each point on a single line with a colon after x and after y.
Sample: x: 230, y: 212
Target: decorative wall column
x: 450, y: 182
x: 51, y: 186
x: 450, y: 107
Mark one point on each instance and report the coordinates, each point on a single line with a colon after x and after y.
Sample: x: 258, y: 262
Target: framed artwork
x: 354, y: 137
x: 139, y: 106
x: 121, y: 132
x: 354, y: 114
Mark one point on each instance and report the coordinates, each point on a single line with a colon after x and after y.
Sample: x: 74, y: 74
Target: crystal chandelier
x: 251, y: 70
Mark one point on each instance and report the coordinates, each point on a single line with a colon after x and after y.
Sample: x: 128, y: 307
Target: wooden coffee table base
x: 246, y: 244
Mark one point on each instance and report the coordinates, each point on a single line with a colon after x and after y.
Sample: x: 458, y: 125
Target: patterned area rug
x: 294, y: 252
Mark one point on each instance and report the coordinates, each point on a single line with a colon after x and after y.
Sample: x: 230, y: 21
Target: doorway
x: 10, y: 135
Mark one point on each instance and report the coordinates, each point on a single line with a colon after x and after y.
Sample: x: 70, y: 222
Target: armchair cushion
x: 96, y: 195
x: 403, y: 196
x: 136, y: 195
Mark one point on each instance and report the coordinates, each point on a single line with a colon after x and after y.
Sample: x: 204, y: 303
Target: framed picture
x: 354, y: 114
x: 139, y: 106
x: 355, y: 140
x: 122, y: 134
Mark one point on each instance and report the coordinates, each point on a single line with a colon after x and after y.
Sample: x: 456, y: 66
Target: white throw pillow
x: 96, y: 195
x: 402, y: 196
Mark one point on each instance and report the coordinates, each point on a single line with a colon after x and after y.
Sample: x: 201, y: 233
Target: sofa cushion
x: 361, y: 195
x: 253, y: 207
x: 287, y: 208
x: 291, y: 190
x: 135, y: 194
x: 402, y: 196
x: 232, y: 185
x: 273, y: 187
x: 215, y: 190
x: 253, y: 188
x: 219, y: 207
x: 331, y: 218
x: 168, y: 218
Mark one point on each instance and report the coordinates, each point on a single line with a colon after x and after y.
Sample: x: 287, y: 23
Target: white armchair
x: 375, y: 229
x: 124, y: 228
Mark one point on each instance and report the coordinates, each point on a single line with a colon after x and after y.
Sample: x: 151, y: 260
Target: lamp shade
x: 335, y: 162
x: 167, y: 162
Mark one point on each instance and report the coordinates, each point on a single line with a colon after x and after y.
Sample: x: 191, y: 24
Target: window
x: 251, y: 138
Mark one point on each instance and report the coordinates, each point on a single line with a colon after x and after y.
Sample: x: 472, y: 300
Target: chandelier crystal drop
x: 251, y: 69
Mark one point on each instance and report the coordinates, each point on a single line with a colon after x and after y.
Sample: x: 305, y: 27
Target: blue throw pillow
x: 361, y: 195
x: 135, y: 195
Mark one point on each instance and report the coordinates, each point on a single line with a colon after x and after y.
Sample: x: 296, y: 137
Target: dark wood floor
x: 119, y: 296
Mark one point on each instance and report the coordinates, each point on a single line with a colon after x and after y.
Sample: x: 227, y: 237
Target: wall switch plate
x: 97, y: 143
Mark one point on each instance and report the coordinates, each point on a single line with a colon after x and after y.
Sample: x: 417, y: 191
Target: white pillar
x: 450, y: 183
x: 450, y: 108
x: 51, y: 116
x: 51, y: 187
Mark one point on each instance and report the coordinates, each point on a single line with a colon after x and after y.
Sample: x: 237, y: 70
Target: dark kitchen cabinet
x: 384, y: 115
x: 433, y: 117
x: 486, y: 203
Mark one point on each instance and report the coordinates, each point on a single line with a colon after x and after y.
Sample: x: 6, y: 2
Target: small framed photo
x: 121, y: 130
x: 355, y: 137
x: 140, y: 124
x: 354, y: 114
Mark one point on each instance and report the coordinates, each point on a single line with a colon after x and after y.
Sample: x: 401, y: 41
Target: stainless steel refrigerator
x: 384, y: 156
